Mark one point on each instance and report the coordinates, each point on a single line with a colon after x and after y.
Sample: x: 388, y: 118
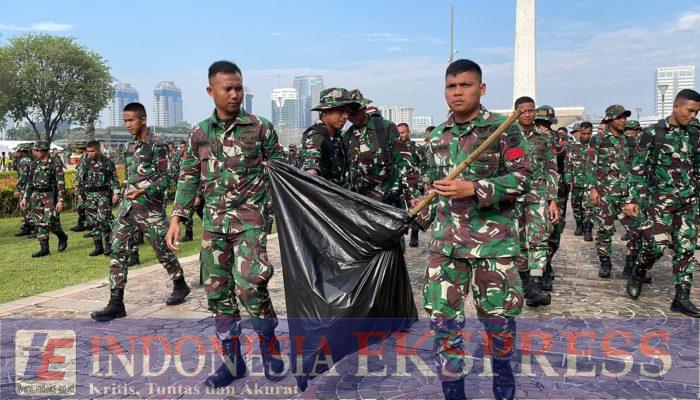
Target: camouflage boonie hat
x: 633, y: 125
x: 576, y: 127
x: 81, y: 145
x: 24, y: 147
x: 334, y: 97
x: 359, y: 98
x: 616, y: 111
x: 546, y: 113
x: 41, y: 145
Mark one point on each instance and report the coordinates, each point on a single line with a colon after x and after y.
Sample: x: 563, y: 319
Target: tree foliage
x: 52, y: 79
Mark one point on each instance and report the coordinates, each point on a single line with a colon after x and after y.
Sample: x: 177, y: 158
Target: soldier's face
x: 404, y: 133
x: 227, y: 92
x: 93, y: 153
x: 181, y: 147
x: 601, y: 127
x: 80, y: 150
x: 133, y: 122
x: 463, y: 92
x: 42, y: 154
x: 358, y: 117
x: 528, y: 116
x: 336, y: 117
x: 684, y: 111
x: 586, y: 134
x: 618, y: 124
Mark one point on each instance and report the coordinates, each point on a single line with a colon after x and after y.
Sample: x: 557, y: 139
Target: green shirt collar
x: 243, y: 118
x: 480, y: 121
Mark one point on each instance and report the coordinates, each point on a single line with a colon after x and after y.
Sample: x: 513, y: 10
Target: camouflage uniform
x: 562, y: 195
x: 45, y: 187
x: 534, y: 225
x: 669, y: 188
x: 226, y: 158
x: 474, y: 239
x: 146, y: 166
x: 98, y: 183
x: 80, y: 206
x: 23, y: 166
x: 293, y: 158
x: 576, y: 169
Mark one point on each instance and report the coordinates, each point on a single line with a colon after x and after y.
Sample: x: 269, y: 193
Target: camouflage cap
x: 41, y: 145
x: 576, y: 127
x: 81, y: 144
x: 359, y: 98
x: 546, y: 113
x: 633, y: 125
x: 334, y: 97
x: 616, y: 111
x: 24, y: 147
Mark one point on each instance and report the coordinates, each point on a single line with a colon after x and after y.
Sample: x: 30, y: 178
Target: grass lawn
x: 22, y: 276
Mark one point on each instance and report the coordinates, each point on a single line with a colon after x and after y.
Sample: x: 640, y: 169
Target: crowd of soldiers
x: 494, y: 229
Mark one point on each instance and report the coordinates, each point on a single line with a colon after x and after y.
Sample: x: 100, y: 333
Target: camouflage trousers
x: 558, y: 228
x: 43, y: 215
x: 153, y: 226
x: 581, y: 205
x: 81, y: 206
x: 497, y: 294
x: 235, y: 268
x: 534, y: 228
x: 667, y: 222
x: 199, y: 209
x: 611, y: 209
x: 98, y: 212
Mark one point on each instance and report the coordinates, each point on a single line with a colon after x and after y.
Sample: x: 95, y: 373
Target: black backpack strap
x: 381, y: 137
x: 659, y: 135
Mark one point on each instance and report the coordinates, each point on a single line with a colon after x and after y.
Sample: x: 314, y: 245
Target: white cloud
x: 689, y: 20
x: 40, y: 26
x: 397, y: 38
x: 393, y: 48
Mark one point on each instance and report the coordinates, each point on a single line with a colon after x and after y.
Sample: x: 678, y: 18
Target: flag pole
x: 472, y: 157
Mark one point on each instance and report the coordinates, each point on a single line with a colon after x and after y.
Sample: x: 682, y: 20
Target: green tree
x: 52, y: 79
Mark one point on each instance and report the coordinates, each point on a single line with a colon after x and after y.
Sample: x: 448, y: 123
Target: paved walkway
x: 578, y: 292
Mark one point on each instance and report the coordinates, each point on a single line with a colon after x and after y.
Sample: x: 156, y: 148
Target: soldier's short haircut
x: 93, y: 144
x: 430, y: 128
x: 585, y: 124
x: 138, y: 108
x: 224, y: 67
x: 463, y: 65
x: 523, y: 100
x: 403, y: 124
x: 687, y: 94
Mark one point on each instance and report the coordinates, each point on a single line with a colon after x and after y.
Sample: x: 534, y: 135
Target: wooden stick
x: 472, y: 157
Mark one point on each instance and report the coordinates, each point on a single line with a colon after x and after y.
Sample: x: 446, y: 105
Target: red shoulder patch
x: 515, y: 152
x: 563, y: 143
x: 590, y: 149
x: 554, y: 151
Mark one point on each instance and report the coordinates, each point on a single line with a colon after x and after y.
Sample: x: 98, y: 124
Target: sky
x: 590, y: 53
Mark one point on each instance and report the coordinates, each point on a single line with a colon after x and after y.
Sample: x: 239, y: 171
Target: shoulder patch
x: 515, y: 152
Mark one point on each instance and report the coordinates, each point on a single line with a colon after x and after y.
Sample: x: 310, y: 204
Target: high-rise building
x: 286, y: 116
x: 420, y: 123
x: 123, y: 95
x: 167, y: 104
x: 677, y: 79
x: 397, y: 114
x: 309, y: 89
x: 248, y: 100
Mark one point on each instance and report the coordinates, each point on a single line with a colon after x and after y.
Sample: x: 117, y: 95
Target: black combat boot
x: 98, y: 248
x: 80, y: 226
x: 24, y: 230
x: 682, y: 304
x: 579, y: 228
x: 536, y: 297
x: 271, y: 357
x: 91, y: 234
x: 44, y: 251
x: 503, y: 345
x: 588, y: 231
x: 629, y: 265
x: 32, y: 234
x: 525, y: 279
x: 548, y: 278
x: 115, y: 308
x: 133, y: 259
x: 108, y: 245
x: 635, y: 280
x: 189, y: 236
x: 62, y: 239
x: 605, y: 267
x: 454, y: 390
x: 180, y: 292
x: 414, y: 238
x: 232, y: 368
x: 138, y: 237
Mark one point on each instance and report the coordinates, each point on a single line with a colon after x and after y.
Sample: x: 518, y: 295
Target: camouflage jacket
x: 79, y: 169
x: 24, y: 168
x: 229, y: 164
x: 577, y: 164
x: 369, y: 173
x: 543, y: 165
x: 676, y: 172
x: 630, y: 143
x: 562, y: 148
x: 608, y: 165
x: 294, y: 160
x: 98, y: 174
x: 146, y: 167
x: 483, y: 225
x: 46, y: 177
x: 412, y: 151
x: 175, y: 161
x: 323, y: 153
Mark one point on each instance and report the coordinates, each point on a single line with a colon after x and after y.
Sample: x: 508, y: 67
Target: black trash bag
x: 344, y: 270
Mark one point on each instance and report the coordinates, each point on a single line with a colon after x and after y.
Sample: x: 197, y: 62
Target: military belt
x: 47, y: 189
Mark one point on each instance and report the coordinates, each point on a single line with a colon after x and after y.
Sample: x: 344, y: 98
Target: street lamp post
x: 638, y: 110
x: 662, y: 89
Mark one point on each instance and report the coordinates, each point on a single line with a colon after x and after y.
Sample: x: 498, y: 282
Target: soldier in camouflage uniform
x: 414, y: 178
x: 226, y: 156
x: 666, y: 173
x: 607, y: 180
x: 576, y: 170
x: 537, y: 209
x: 80, y: 205
x: 147, y: 180
x: 562, y: 138
x: 323, y: 152
x: 474, y: 239
x: 98, y: 189
x: 293, y: 156
x: 379, y: 165
x: 23, y: 165
x: 44, y: 194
